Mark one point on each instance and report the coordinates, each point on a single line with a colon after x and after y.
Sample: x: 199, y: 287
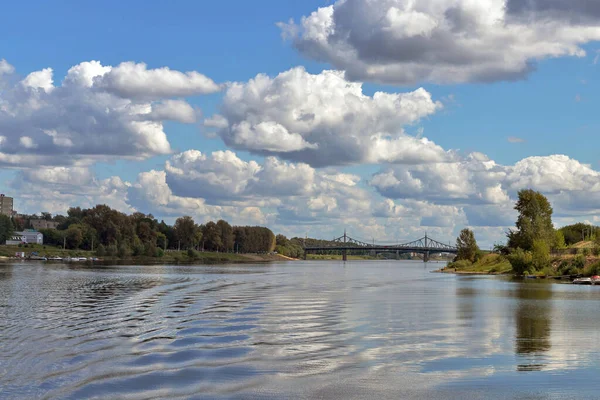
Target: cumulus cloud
x: 474, y: 179
x: 486, y: 191
x: 449, y: 41
x: 131, y: 80
x: 324, y: 120
x: 89, y: 116
x: 56, y: 189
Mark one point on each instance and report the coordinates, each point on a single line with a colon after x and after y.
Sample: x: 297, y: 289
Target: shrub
x: 521, y: 262
x: 596, y: 251
x: 124, y: 251
x: 159, y: 252
x: 193, y: 254
x: 586, y: 252
x: 460, y: 264
x: 112, y: 250
x: 101, y: 250
x: 593, y: 269
x: 578, y: 261
x: 540, y: 255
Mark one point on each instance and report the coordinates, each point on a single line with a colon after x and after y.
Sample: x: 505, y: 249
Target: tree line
x: 113, y: 233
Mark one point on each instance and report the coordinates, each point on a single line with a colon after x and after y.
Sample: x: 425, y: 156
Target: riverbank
x: 566, y: 265
x: 489, y: 264
x: 9, y: 254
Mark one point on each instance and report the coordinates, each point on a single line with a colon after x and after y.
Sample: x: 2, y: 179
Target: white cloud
x: 131, y: 80
x: 444, y: 41
x: 5, y: 67
x: 514, y: 139
x: 40, y: 80
x: 324, y: 120
x: 82, y: 120
x: 173, y: 110
x: 56, y: 189
x: 474, y: 179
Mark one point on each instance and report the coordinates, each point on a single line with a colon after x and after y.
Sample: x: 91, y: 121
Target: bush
x: 112, y: 250
x: 578, y: 261
x: 586, y: 252
x: 100, y: 250
x: 124, y: 251
x: 593, y: 269
x: 159, y: 252
x: 596, y: 251
x: 460, y: 264
x: 193, y: 254
x: 521, y: 262
x: 540, y: 255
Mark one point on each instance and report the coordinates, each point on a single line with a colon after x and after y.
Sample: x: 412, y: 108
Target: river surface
x: 293, y: 330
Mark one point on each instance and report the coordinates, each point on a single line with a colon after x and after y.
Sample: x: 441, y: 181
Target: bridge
x: 345, y: 245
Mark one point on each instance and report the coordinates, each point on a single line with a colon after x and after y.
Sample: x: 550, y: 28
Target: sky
x: 385, y: 118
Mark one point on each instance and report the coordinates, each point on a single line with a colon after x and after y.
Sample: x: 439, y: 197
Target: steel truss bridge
x: 346, y: 245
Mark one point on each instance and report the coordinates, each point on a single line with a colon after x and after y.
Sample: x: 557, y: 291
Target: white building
x: 28, y: 236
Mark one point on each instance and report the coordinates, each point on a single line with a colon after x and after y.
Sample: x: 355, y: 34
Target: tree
x: 540, y: 255
x: 74, y: 236
x: 281, y: 240
x: 212, y: 237
x: 559, y: 239
x: 227, y: 237
x: 6, y: 228
x: 466, y: 245
x: 534, y: 221
x: 185, y: 231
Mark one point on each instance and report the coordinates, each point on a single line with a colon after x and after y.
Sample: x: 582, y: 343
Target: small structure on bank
x: 27, y: 236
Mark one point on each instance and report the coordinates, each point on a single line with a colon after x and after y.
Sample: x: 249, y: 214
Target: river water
x: 293, y: 330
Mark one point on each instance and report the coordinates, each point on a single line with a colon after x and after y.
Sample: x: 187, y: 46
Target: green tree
x: 559, y: 239
x: 74, y: 236
x: 521, y: 261
x: 534, y: 221
x: 185, y: 232
x: 227, y: 237
x: 6, y: 228
x: 466, y: 245
x: 212, y: 237
x: 540, y: 255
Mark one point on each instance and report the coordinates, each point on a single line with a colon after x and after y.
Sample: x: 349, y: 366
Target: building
x: 27, y: 236
x: 6, y: 205
x: 38, y: 224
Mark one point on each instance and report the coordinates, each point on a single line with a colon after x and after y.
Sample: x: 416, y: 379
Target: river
x: 389, y: 329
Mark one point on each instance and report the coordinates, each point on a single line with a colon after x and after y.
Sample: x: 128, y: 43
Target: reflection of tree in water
x: 533, y: 324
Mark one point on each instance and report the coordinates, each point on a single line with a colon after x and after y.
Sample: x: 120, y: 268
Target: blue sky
x: 510, y: 117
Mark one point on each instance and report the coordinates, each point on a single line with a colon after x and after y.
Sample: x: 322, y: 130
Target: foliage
x: 253, y: 239
x: 521, y: 261
x: 100, y: 250
x: 466, y: 245
x: 540, y: 255
x: 211, y: 236
x: 575, y: 233
x: 185, y: 232
x: 6, y: 228
x: 559, y: 239
x: 579, y: 261
x: 534, y: 221
x: 460, y: 264
x: 227, y: 237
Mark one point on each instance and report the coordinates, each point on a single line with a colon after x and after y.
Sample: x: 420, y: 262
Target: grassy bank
x: 493, y: 264
x: 563, y: 265
x: 170, y: 257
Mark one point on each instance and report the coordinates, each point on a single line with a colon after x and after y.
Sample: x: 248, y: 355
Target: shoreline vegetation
x: 169, y: 257
x: 534, y: 249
